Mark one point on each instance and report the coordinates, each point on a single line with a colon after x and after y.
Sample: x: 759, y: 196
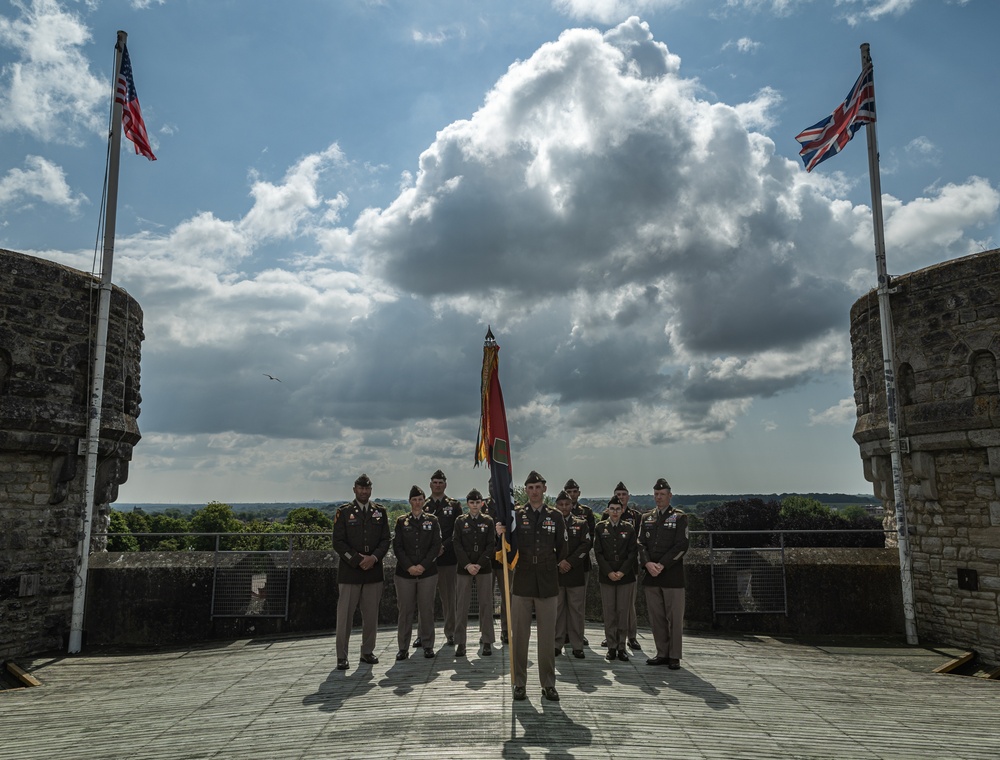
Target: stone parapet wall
x: 145, y: 599
x: 47, y: 319
x: 947, y: 334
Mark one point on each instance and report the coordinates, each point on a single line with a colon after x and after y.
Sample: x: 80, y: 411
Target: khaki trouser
x: 463, y: 599
x: 446, y: 590
x: 633, y: 623
x: 415, y: 595
x: 666, y: 617
x: 615, y: 601
x: 569, y: 616
x: 353, y: 595
x: 545, y: 622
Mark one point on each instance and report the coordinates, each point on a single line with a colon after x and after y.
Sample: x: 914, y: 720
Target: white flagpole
x: 888, y: 352
x: 100, y: 354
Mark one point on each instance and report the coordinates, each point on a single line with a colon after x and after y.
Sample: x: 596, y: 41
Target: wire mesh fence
x: 251, y: 584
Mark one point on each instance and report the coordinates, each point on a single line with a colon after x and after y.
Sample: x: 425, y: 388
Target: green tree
x: 214, y: 517
x: 308, y: 517
x: 310, y: 520
x: 125, y: 542
x: 138, y: 522
x: 743, y: 515
x: 167, y: 523
x: 854, y: 512
x: 803, y: 506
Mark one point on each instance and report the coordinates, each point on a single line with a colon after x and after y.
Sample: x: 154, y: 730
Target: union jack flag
x: 828, y: 137
x: 133, y: 126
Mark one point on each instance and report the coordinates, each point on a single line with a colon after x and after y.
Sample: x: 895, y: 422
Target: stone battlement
x: 947, y: 334
x: 48, y: 313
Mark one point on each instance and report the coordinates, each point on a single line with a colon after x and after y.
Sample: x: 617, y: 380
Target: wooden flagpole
x: 888, y: 353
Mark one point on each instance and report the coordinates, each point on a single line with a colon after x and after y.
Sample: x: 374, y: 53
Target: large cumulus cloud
x: 649, y: 263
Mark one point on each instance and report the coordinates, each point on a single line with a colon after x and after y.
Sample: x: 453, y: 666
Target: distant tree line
x: 257, y: 532
x: 794, y: 513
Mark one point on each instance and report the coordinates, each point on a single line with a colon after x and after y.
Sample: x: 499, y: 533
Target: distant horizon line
x: 403, y: 498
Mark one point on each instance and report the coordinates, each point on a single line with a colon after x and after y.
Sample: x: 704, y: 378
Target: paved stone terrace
x: 736, y: 697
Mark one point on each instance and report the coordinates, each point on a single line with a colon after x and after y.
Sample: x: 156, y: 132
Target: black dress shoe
x: 417, y: 644
x: 656, y: 661
x: 611, y: 655
x: 519, y: 693
x: 550, y: 693
x: 487, y: 650
x: 402, y: 654
x: 578, y: 654
x: 369, y: 658
x: 635, y: 645
x: 673, y: 664
x: 343, y: 665
x: 428, y: 652
x: 604, y: 643
x: 460, y: 651
x: 623, y: 655
x: 586, y: 642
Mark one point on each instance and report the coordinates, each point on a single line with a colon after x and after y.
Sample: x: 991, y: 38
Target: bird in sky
x: 271, y: 377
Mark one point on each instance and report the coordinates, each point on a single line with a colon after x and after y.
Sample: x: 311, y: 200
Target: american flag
x: 829, y: 136
x: 132, y: 124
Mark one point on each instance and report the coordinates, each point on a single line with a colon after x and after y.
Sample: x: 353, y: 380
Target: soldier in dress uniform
x: 541, y: 546
x: 572, y: 489
x: 475, y: 546
x: 447, y: 510
x: 361, y: 539
x: 630, y: 515
x: 417, y: 545
x: 616, y: 550
x: 663, y: 542
x: 572, y: 599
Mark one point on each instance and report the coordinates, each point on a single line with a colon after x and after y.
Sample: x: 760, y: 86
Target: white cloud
x: 40, y: 179
x: 50, y: 92
x: 438, y: 37
x: 873, y: 10
x: 844, y: 413
x: 743, y: 45
x: 279, y: 210
x: 926, y: 229
x: 611, y: 11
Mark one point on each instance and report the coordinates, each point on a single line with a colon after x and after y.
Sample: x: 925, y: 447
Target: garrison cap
x: 533, y: 477
x: 621, y: 486
x: 615, y: 500
x: 474, y: 495
x: 661, y: 485
x: 571, y: 484
x: 363, y: 480
x: 417, y: 491
x: 438, y: 475
x: 563, y: 496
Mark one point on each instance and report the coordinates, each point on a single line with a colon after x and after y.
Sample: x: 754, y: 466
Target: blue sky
x: 347, y: 194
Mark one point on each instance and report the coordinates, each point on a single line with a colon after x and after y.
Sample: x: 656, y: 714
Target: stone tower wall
x: 947, y: 331
x: 47, y: 319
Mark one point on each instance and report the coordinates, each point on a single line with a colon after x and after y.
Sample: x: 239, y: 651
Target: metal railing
x: 749, y: 577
